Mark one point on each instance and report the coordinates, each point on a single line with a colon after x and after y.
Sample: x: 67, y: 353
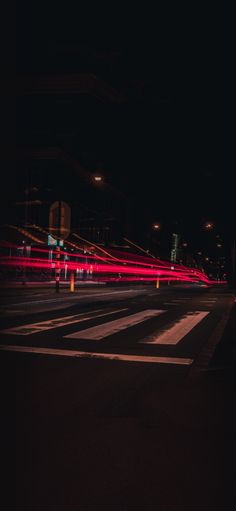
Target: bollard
x: 72, y: 282
x: 57, y: 269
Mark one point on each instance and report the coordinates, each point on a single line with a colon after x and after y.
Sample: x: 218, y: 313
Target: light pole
x: 116, y: 194
x: 156, y: 226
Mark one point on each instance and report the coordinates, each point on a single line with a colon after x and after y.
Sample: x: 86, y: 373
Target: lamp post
x: 155, y: 227
x: 114, y: 194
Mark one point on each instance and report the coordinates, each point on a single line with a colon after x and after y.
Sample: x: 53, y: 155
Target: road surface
x: 112, y: 400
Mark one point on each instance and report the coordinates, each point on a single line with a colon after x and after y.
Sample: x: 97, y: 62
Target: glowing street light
x: 209, y: 225
x: 98, y: 179
x: 156, y: 227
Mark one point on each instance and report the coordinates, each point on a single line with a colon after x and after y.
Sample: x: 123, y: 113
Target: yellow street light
x: 209, y: 225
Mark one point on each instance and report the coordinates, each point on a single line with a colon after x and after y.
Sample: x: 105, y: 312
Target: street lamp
x: 208, y: 225
x: 98, y: 179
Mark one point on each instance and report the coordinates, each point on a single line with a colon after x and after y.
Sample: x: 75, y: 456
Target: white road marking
x: 79, y: 297
x: 174, y: 302
x: 180, y: 300
x: 11, y: 311
x: 93, y: 355
x: 112, y: 327
x: 34, y: 328
x: 175, y: 333
x: 208, y: 301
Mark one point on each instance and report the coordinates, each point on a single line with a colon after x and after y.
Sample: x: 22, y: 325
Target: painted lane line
x: 11, y: 311
x: 178, y: 301
x: 94, y: 355
x: 112, y: 327
x: 209, y: 299
x: 69, y: 298
x: 175, y: 333
x: 211, y: 302
x: 55, y: 323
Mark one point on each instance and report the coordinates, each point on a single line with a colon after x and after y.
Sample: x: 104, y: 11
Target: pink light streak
x: 128, y: 269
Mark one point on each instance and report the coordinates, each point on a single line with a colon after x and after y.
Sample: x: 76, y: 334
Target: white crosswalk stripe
x: 96, y: 333
x: 35, y: 328
x: 175, y: 333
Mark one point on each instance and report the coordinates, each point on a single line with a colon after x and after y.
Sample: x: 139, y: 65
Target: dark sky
x: 168, y: 144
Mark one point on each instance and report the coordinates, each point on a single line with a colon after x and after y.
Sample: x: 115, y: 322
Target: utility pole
x: 59, y: 225
x: 58, y: 269
x: 58, y: 250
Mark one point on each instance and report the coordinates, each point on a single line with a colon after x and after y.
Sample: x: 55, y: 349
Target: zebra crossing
x: 186, y: 321
x: 104, y: 324
x: 172, y: 334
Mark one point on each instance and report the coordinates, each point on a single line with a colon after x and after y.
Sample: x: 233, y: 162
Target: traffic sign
x: 52, y: 242
x: 59, y: 220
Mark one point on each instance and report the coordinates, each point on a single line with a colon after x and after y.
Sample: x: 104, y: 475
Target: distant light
x: 98, y: 178
x: 209, y: 225
x: 185, y: 244
x: 219, y: 245
x: 172, y: 267
x: 156, y: 226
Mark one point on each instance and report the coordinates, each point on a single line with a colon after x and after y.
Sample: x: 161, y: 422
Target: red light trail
x: 131, y: 268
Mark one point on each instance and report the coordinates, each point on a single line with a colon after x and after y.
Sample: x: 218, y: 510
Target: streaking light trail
x: 124, y: 267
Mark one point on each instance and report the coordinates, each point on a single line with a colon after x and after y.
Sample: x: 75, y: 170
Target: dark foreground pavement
x: 165, y: 446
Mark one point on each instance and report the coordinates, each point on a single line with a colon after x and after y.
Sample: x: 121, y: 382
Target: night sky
x: 165, y: 142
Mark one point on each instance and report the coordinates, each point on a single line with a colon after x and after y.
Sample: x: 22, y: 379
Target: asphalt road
x: 111, y: 400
